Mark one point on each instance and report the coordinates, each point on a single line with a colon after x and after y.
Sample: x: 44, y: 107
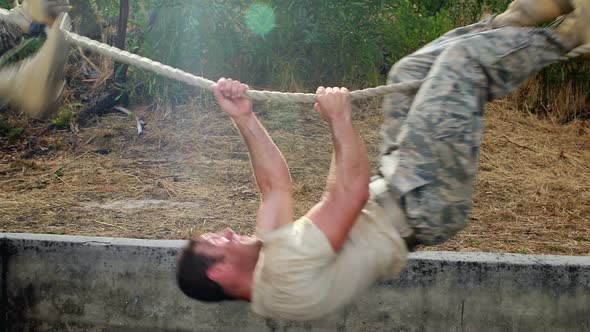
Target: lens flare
x: 260, y: 18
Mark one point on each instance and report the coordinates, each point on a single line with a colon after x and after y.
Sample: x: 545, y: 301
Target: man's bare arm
x: 271, y: 173
x: 348, y: 183
x: 268, y: 164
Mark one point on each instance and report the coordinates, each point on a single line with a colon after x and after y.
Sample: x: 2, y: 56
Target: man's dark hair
x: 191, y: 276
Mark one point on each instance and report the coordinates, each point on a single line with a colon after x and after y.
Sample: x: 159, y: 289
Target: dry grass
x: 533, y: 188
x: 565, y: 102
x: 190, y: 173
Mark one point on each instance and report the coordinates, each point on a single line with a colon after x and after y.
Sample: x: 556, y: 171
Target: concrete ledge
x: 69, y: 283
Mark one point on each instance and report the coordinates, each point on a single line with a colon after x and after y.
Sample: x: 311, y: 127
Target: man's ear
x: 216, y: 272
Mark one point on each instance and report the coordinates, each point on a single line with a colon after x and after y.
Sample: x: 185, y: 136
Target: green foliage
x: 278, y: 44
x: 29, y: 47
x: 260, y: 19
x: 475, y: 243
x: 468, y: 11
x: 414, y: 24
x: 63, y: 119
x: 9, y: 131
x: 23, y: 165
x: 298, y: 45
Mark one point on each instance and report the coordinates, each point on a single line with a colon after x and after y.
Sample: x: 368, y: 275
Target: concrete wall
x: 60, y: 283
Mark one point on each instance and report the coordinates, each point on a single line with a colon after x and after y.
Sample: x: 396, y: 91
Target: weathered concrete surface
x: 60, y: 283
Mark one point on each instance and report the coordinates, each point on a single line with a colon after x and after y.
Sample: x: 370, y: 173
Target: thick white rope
x: 190, y: 79
x: 577, y: 52
x: 179, y: 75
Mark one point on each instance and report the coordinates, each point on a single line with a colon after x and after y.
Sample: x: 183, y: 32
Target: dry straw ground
x: 189, y: 173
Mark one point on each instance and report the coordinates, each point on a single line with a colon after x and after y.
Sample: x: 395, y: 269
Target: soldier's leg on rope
x: 35, y: 84
x: 361, y: 231
x: 432, y: 164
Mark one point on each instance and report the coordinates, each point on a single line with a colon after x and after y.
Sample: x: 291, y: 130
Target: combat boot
x: 575, y: 28
x: 34, y: 13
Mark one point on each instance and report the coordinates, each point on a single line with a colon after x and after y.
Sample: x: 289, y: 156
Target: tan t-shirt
x: 300, y: 277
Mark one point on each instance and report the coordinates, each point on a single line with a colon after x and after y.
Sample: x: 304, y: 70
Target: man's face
x: 234, y: 254
x: 226, y: 246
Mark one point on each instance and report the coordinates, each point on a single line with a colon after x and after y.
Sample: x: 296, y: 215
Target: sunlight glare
x: 260, y: 18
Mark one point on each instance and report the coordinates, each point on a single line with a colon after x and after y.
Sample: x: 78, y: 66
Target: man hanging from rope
x: 35, y: 85
x: 362, y: 230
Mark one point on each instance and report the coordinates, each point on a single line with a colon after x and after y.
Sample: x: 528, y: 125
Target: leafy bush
x: 414, y: 24
x: 279, y: 44
x: 464, y: 12
x: 298, y: 45
x: 63, y: 119
x: 9, y: 131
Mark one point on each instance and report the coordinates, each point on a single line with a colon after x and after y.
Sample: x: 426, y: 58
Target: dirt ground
x: 190, y: 173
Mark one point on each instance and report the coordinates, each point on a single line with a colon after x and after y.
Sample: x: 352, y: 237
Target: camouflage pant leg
x: 415, y: 67
x: 434, y: 166
x: 10, y: 36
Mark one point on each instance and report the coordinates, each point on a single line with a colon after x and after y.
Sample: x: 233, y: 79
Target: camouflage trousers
x: 432, y: 137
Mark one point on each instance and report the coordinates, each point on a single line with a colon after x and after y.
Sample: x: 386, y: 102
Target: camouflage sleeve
x: 34, y: 85
x: 10, y: 36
